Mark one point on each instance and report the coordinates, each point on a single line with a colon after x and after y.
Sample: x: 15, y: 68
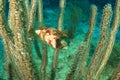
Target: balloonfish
x: 55, y: 38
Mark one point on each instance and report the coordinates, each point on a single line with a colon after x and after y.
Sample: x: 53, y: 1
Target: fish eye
x: 58, y: 41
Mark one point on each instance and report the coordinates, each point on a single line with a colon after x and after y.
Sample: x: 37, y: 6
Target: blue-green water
x: 76, y: 24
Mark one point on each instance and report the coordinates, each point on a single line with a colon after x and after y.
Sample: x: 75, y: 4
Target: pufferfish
x: 57, y: 39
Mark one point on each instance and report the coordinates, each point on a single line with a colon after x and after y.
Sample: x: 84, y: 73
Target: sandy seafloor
x: 66, y: 55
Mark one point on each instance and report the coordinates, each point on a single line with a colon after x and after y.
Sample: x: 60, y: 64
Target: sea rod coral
x: 18, y: 41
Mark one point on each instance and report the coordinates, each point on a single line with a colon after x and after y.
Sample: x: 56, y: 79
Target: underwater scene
x: 59, y: 39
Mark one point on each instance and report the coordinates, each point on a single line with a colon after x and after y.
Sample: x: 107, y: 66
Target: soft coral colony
x: 18, y: 40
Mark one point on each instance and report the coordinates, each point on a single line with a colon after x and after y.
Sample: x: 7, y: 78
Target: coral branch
x: 103, y: 37
x: 115, y: 26
x: 60, y: 20
x: 71, y: 75
x: 116, y: 75
x: 83, y: 62
x: 40, y: 7
x: 54, y: 64
x: 44, y: 62
x: 27, y: 6
x: 44, y: 46
x: 60, y: 28
x: 31, y: 15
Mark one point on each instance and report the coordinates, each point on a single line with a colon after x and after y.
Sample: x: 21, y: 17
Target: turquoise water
x: 75, y: 25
